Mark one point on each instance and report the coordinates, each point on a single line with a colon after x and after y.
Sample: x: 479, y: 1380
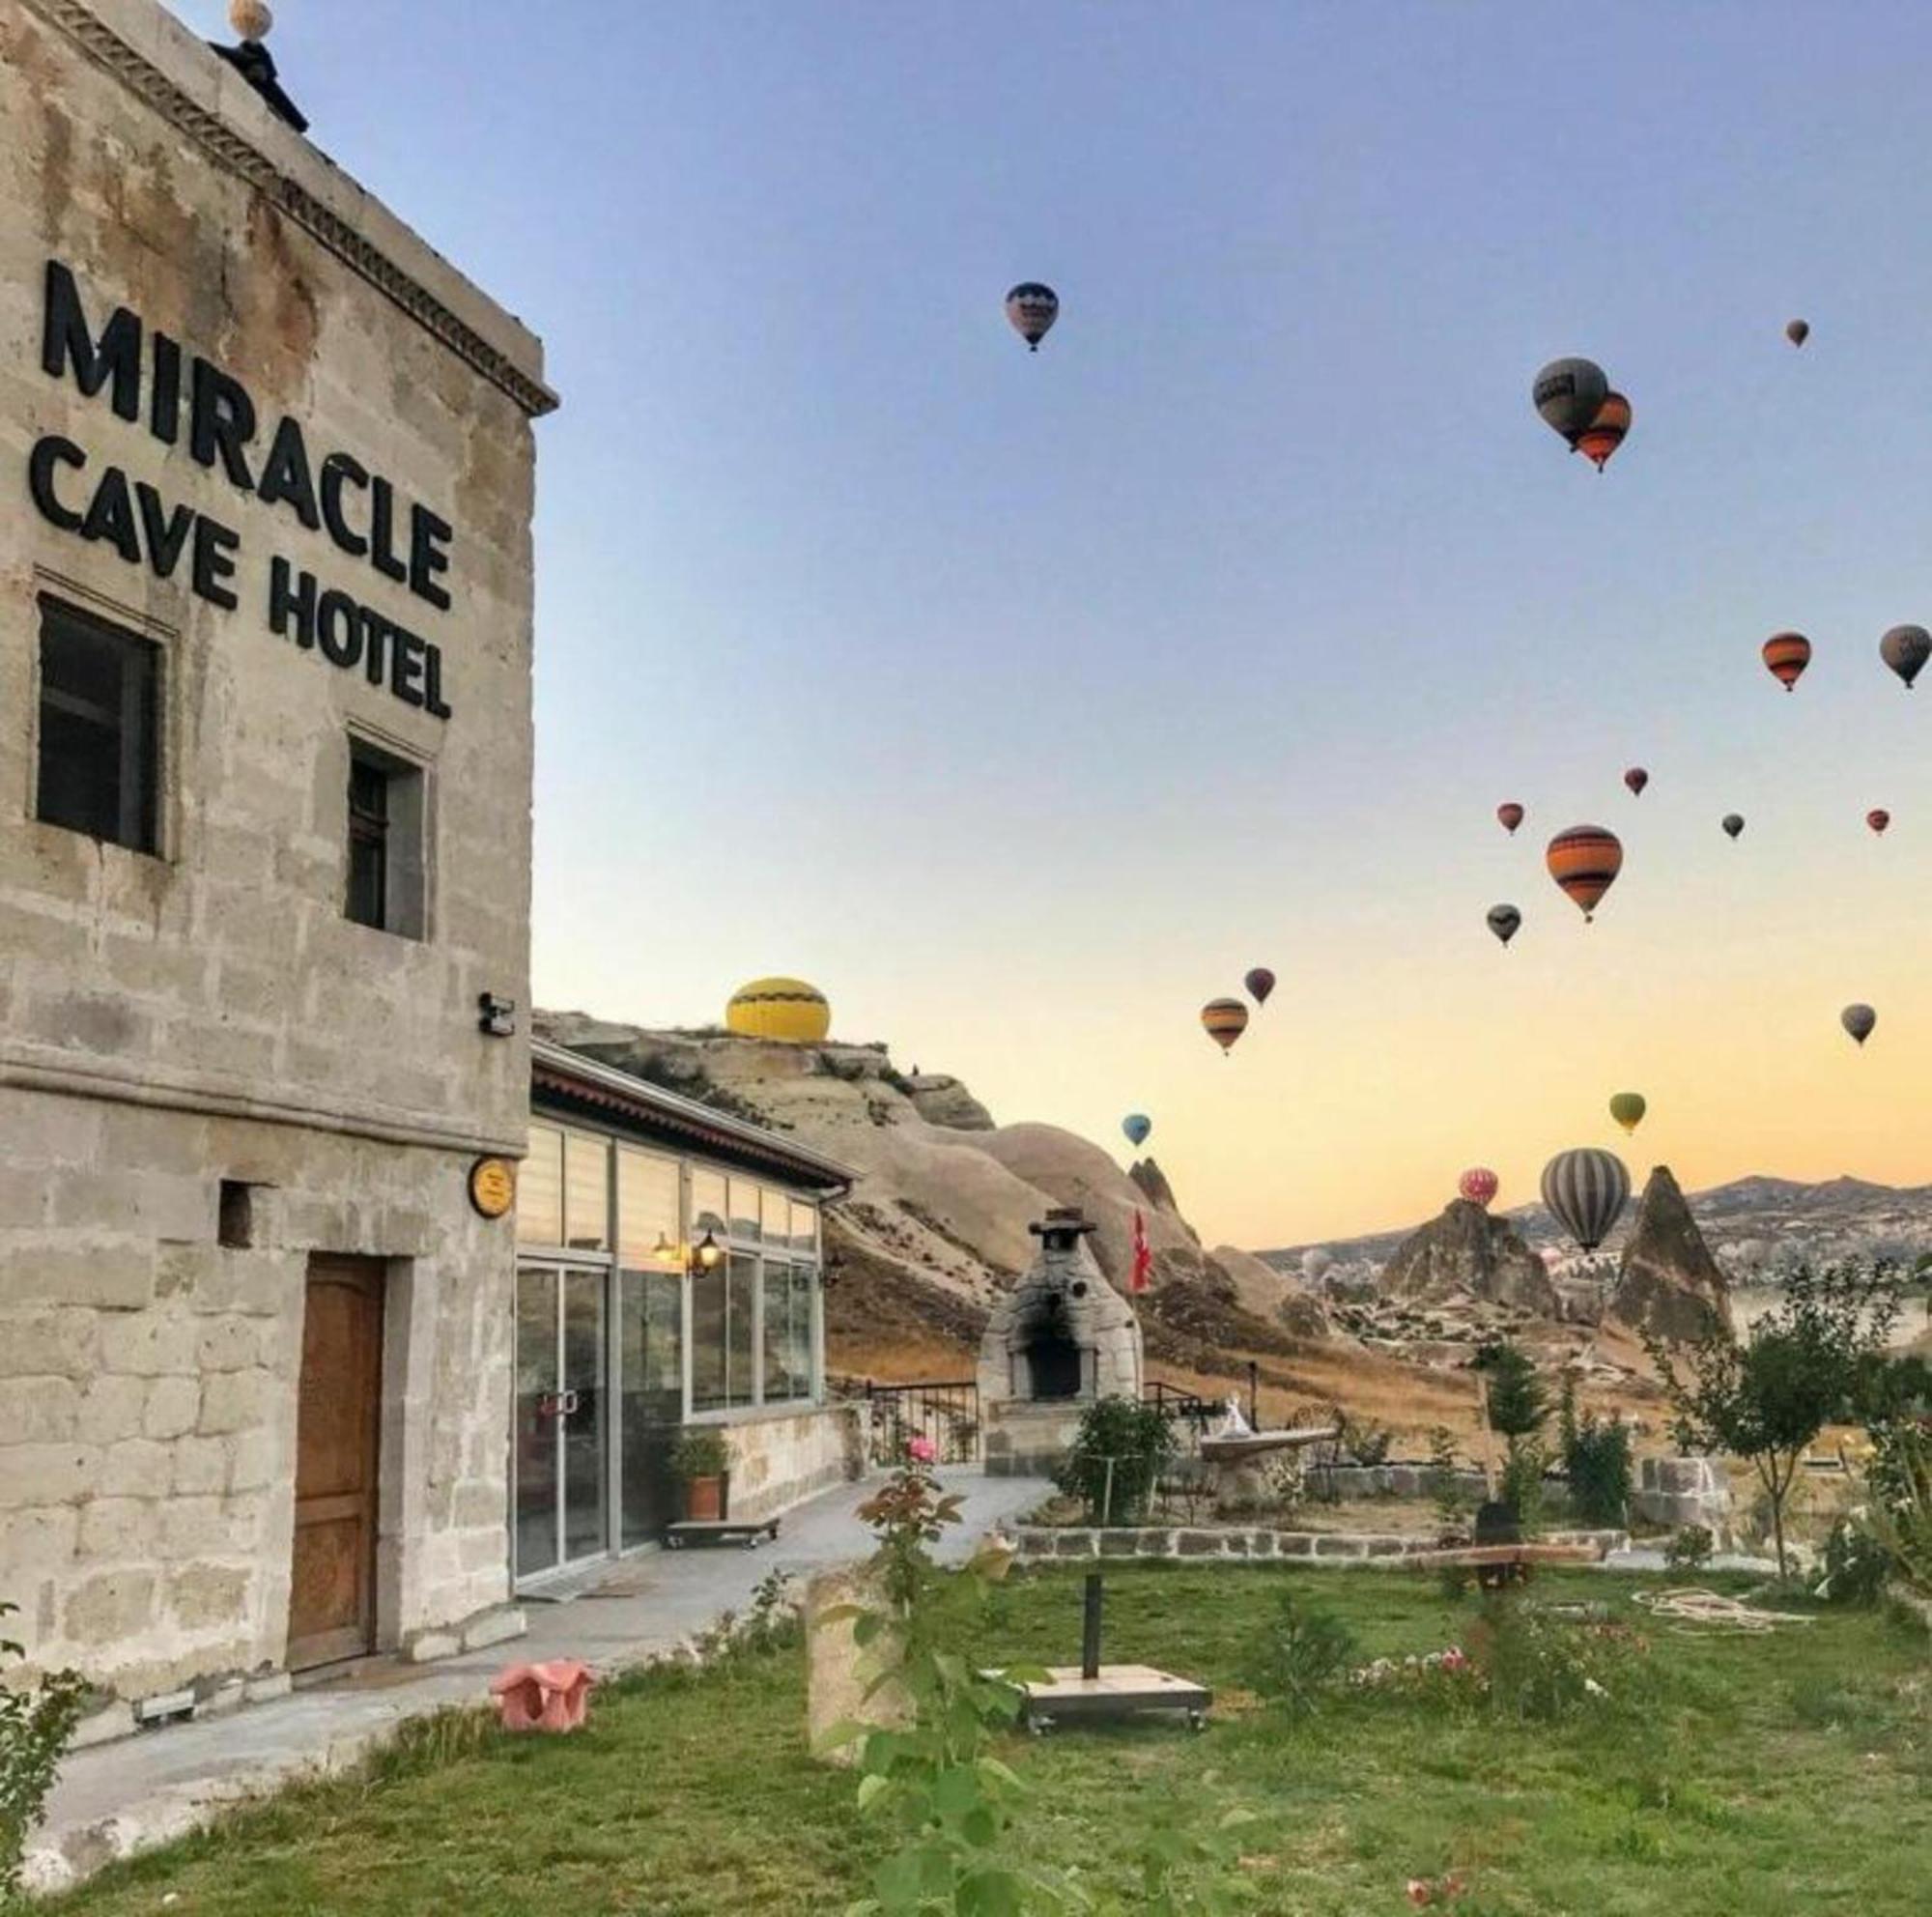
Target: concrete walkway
x: 129, y: 1795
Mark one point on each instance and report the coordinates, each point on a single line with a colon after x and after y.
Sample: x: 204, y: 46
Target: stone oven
x: 1060, y: 1340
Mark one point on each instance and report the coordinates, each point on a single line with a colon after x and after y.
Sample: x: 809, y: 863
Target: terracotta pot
x: 703, y: 1499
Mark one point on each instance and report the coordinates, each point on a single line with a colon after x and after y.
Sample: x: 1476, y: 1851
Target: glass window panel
x: 652, y: 1353
x: 585, y: 1462
x: 745, y: 1210
x: 540, y: 1189
x: 779, y: 1377
x: 649, y: 1228
x: 775, y: 1216
x: 708, y: 1203
x: 709, y: 1292
x: 805, y: 1228
x: 741, y: 1375
x: 586, y: 1192
x: 536, y: 1460
x: 803, y: 1363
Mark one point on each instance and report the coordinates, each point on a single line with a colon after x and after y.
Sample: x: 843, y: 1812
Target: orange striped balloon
x: 1605, y: 434
x: 1224, y: 1020
x: 1787, y: 654
x: 1584, y: 860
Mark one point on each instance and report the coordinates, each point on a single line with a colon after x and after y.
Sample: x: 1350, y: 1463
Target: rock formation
x: 1469, y: 1251
x: 1147, y: 1175
x: 935, y: 1228
x: 1670, y: 1284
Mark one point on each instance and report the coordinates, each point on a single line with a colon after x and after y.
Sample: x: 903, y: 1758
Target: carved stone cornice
x: 233, y: 152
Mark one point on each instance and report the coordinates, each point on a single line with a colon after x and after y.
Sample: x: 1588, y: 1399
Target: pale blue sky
x: 1024, y: 702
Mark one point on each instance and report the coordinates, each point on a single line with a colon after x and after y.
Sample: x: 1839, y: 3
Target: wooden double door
x: 338, y: 1463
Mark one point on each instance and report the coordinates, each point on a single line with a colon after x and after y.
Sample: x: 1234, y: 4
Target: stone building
x: 265, y: 796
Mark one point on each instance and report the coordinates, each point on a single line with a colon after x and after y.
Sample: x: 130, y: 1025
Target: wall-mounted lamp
x: 706, y: 1253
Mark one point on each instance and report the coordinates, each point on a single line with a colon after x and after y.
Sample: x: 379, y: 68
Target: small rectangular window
x: 100, y: 747
x: 386, y: 889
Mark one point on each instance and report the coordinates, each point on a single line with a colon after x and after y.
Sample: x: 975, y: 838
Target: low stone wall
x: 1395, y: 1481
x: 1038, y: 1542
x: 779, y: 1462
x: 1682, y: 1490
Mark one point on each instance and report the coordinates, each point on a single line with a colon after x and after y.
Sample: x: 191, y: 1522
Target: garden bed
x: 1762, y: 1774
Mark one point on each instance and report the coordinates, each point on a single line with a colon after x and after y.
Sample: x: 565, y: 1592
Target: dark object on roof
x: 257, y: 66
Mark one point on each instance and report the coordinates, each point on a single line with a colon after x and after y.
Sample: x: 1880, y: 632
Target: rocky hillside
x: 1668, y: 1282
x: 1752, y: 1226
x: 936, y: 1226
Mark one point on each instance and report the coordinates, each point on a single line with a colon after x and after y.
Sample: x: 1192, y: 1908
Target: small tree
x: 1767, y: 1398
x: 1117, y: 1459
x: 1517, y: 1403
x: 1597, y: 1456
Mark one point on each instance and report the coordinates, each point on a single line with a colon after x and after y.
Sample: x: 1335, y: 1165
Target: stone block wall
x: 148, y: 1386
x: 1245, y: 1543
x: 780, y: 1460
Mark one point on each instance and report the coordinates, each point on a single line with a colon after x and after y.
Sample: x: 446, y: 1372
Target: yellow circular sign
x: 493, y: 1187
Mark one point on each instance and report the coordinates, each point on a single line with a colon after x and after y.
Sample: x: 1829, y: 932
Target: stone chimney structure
x: 1061, y: 1340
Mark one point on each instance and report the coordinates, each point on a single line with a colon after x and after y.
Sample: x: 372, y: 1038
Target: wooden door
x: 338, y: 1447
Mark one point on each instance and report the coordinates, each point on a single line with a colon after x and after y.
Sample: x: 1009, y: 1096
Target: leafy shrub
x: 1544, y: 1668
x: 1690, y: 1548
x: 1596, y: 1455
x: 1301, y: 1655
x: 700, y: 1452
x: 1445, y: 1487
x: 36, y: 1722
x: 1364, y: 1441
x: 1521, y: 1485
x: 1855, y: 1564
x: 1899, y: 1513
x: 1117, y: 1459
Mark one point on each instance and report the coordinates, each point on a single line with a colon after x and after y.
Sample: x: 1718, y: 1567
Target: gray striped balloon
x: 1586, y: 1191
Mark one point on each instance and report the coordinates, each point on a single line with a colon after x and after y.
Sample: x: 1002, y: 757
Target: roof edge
x: 673, y: 1106
x: 178, y: 77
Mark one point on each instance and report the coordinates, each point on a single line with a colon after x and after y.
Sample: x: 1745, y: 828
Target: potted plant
x: 700, y: 1458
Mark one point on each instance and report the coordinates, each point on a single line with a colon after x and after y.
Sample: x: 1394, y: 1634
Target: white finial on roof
x: 251, y: 19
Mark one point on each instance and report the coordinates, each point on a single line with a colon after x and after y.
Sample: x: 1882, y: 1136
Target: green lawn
x: 1792, y: 1773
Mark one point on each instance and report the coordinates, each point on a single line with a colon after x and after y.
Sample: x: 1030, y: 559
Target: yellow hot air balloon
x: 787, y: 1009
x: 1628, y: 1109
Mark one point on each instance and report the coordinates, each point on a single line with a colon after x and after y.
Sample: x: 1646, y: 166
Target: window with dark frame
x: 387, y: 886
x: 368, y: 902
x: 100, y: 731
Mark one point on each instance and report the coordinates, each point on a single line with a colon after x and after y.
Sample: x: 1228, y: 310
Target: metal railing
x: 1174, y: 1403
x: 945, y: 1412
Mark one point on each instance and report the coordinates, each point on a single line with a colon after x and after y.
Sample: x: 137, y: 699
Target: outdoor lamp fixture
x: 705, y: 1253
x: 664, y: 1250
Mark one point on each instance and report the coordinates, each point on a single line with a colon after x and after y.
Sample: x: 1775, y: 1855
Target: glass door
x: 652, y: 1339
x: 561, y: 1469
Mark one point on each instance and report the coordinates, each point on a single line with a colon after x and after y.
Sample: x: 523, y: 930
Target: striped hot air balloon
x: 1607, y: 432
x: 1031, y: 311
x: 1479, y: 1185
x: 1584, y: 860
x: 1878, y: 818
x: 1586, y: 1191
x: 1512, y: 815
x: 1224, y: 1020
x: 1786, y: 654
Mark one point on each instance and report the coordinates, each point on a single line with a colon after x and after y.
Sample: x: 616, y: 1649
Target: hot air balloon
x: 1636, y: 779
x: 1628, y: 1109
x: 1605, y: 433
x: 1478, y: 1185
x: 1505, y: 921
x: 1260, y: 984
x: 1584, y: 860
x: 1570, y: 393
x: 1586, y: 1191
x: 1878, y: 818
x: 1032, y: 309
x: 1512, y: 815
x: 1137, y: 1125
x: 1906, y: 649
x: 1734, y: 823
x: 1861, y: 1021
x: 1224, y: 1020
x: 1787, y: 654
x: 1798, y: 331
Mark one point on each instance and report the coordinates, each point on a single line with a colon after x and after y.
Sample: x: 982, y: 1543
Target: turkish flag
x: 1143, y: 1257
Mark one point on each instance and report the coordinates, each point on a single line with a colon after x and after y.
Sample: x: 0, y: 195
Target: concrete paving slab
x: 136, y: 1793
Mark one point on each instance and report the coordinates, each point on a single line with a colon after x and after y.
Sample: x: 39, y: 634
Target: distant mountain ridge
x: 1753, y: 1223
